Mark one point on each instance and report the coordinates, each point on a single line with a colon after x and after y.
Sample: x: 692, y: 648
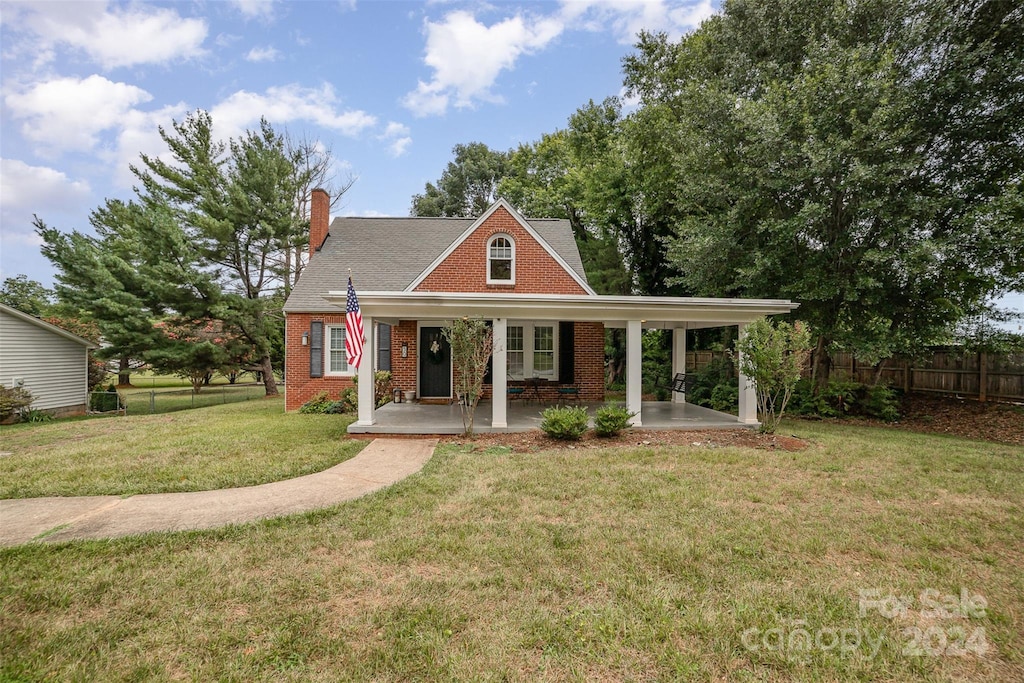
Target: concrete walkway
x: 382, y: 463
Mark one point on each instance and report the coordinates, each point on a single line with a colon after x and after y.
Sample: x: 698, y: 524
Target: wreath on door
x: 435, y: 351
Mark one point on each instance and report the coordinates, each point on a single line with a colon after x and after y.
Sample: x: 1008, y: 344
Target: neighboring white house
x: 51, y: 363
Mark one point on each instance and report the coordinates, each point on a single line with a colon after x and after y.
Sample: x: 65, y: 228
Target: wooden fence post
x: 906, y: 377
x: 982, y: 376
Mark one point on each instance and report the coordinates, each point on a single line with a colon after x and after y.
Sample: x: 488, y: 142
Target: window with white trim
x: 501, y: 260
x: 514, y: 351
x: 530, y: 351
x: 336, y: 361
x: 544, y: 349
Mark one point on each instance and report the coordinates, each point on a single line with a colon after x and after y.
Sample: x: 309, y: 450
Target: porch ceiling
x: 613, y: 311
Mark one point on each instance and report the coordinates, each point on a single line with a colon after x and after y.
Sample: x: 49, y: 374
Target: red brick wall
x: 465, y: 269
x: 589, y: 364
x: 299, y: 387
x: 403, y: 370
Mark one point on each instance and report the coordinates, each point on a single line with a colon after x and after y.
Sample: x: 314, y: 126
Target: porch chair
x: 683, y: 383
x: 569, y: 393
x: 516, y: 393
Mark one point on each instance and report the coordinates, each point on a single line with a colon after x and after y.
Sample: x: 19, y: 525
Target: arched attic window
x: 501, y: 260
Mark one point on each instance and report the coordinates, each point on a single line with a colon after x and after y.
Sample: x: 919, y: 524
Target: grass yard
x: 239, y: 444
x: 637, y: 564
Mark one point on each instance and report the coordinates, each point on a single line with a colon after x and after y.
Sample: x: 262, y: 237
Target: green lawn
x: 618, y: 564
x: 238, y: 444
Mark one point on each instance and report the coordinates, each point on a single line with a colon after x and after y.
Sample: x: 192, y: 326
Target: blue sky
x: 389, y: 87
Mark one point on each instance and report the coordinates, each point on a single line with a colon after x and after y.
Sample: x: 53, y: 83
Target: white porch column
x: 748, y: 396
x: 499, y: 375
x: 367, y: 401
x: 634, y: 370
x: 678, y: 358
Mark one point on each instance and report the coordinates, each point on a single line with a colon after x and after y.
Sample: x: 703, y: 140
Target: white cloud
x: 263, y: 54
x: 111, y: 36
x: 68, y: 114
x: 626, y: 18
x: 27, y: 188
x: 140, y: 134
x: 373, y: 213
x: 255, y: 9
x: 398, y: 138
x: 283, y: 104
x: 467, y: 57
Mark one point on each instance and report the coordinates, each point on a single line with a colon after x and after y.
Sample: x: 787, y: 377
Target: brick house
x: 523, y: 275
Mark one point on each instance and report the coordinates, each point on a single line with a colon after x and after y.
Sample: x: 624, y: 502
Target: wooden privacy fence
x: 948, y: 371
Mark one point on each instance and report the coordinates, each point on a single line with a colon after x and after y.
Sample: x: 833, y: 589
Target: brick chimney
x: 319, y: 219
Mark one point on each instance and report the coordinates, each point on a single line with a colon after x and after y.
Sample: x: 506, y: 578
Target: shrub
x: 105, y: 400
x: 14, y: 400
x: 843, y: 397
x: 36, y: 416
x: 610, y: 420
x: 772, y: 356
x: 567, y: 423
x: 881, y: 401
x: 318, y: 405
x: 381, y: 387
x: 725, y: 398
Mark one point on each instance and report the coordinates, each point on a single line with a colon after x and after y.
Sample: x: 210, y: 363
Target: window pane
x: 501, y: 269
x: 501, y: 248
x: 543, y: 349
x: 544, y: 338
x: 515, y: 364
x: 514, y: 339
x: 338, y: 360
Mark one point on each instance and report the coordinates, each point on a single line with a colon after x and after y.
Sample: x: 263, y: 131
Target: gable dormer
x: 500, y: 252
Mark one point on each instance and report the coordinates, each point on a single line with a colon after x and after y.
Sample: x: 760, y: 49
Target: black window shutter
x: 566, y: 352
x: 383, y: 346
x: 316, y: 348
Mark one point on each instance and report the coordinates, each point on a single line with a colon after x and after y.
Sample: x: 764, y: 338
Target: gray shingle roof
x: 386, y: 255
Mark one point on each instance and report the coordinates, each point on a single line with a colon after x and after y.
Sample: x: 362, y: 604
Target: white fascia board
x: 523, y: 223
x: 653, y: 311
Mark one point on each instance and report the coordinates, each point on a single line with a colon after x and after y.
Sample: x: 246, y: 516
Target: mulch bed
x: 531, y: 442
x: 999, y: 422
x: 969, y: 418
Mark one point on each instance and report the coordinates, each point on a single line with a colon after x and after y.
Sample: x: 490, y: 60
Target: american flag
x: 353, y: 328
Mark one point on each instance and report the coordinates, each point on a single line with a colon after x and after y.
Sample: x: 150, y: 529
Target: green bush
x: 725, y: 398
x: 104, y: 401
x: 13, y: 400
x: 843, y: 397
x: 610, y: 420
x: 566, y: 423
x: 318, y: 405
x: 881, y: 401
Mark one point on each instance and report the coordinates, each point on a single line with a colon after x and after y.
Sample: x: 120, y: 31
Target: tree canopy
x: 864, y: 159
x: 210, y: 240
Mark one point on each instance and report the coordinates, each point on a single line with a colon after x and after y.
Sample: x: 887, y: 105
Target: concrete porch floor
x: 417, y: 418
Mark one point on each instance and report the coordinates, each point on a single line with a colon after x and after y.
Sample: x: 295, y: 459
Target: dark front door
x: 435, y: 364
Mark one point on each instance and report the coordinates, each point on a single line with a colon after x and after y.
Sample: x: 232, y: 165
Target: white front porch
x: 418, y: 418
x: 633, y: 313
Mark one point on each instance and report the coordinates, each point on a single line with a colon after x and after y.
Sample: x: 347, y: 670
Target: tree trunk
x: 269, y: 383
x: 124, y: 375
x: 822, y: 364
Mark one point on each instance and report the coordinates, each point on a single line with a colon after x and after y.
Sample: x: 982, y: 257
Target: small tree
x: 472, y: 341
x: 772, y: 357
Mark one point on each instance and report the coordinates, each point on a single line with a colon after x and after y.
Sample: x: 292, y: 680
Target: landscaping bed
x: 969, y: 418
x: 531, y: 442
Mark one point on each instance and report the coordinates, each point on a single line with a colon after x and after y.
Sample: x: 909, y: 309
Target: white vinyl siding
x: 53, y: 368
x: 336, y: 362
